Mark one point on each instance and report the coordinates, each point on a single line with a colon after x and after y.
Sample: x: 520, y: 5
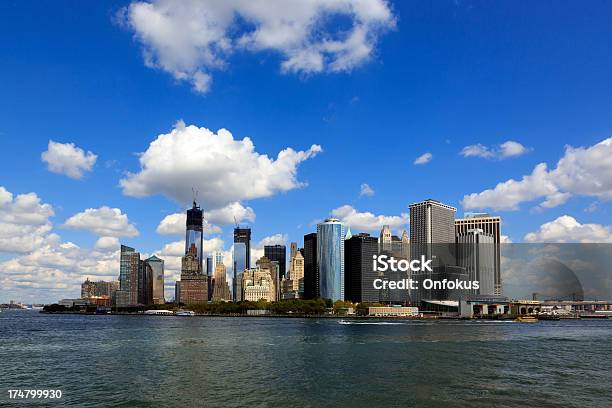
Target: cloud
x: 55, y: 270
x: 190, y: 39
x: 103, y: 221
x: 567, y: 229
x: 24, y: 222
x: 222, y: 169
x: 366, y: 191
x: 424, y: 158
x: 505, y: 239
x: 582, y: 171
x: 67, y: 159
x: 233, y: 212
x: 506, y: 150
x: 107, y: 244
x: 366, y: 221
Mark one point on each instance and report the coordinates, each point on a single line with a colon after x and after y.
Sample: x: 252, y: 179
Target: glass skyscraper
x: 330, y: 259
x: 239, y: 265
x: 194, y: 234
x: 241, y: 255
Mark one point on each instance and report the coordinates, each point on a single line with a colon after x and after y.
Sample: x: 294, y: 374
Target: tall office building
x: 405, y: 245
x: 241, y: 255
x: 330, y: 259
x: 157, y: 279
x: 221, y: 291
x: 432, y: 222
x: 210, y: 267
x: 311, y: 275
x: 239, y: 264
x: 277, y: 253
x: 145, y: 283
x: 385, y: 239
x: 243, y: 235
x: 128, y: 277
x: 476, y: 253
x: 490, y: 225
x: 218, y: 256
x: 293, y: 251
x: 432, y: 231
x: 193, y: 286
x: 359, y: 275
x: 194, y: 234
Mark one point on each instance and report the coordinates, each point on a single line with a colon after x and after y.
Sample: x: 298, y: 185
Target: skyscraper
x: 293, y: 251
x: 218, y: 259
x: 241, y: 255
x: 311, y: 276
x: 490, y: 225
x: 432, y: 230
x: 193, y: 286
x: 384, y: 241
x: 128, y: 277
x: 194, y: 235
x: 157, y: 278
x: 277, y: 253
x: 221, y: 292
x: 243, y: 235
x: 145, y: 283
x: 239, y: 258
x: 359, y: 275
x: 330, y: 259
x: 432, y: 222
x: 476, y: 253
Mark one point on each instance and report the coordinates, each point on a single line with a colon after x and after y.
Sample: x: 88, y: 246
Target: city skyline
x: 100, y: 146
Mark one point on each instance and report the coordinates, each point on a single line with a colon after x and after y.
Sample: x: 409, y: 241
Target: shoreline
x: 337, y: 317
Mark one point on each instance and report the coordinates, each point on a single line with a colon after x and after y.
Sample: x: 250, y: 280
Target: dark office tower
x: 311, y: 278
x: 145, y: 283
x: 210, y: 268
x: 359, y: 274
x: 277, y: 253
x: 241, y: 256
x: 194, y: 234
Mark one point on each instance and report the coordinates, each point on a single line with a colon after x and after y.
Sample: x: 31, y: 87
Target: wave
x: 372, y: 323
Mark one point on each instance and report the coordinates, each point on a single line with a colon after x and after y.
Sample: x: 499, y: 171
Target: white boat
x: 185, y: 313
x: 159, y: 312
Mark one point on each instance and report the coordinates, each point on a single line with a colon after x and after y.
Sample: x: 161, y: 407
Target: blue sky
x: 438, y: 77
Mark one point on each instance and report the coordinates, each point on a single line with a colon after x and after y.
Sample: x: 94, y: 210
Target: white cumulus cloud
x: 222, y: 169
x: 103, y: 221
x: 68, y: 159
x: 24, y: 222
x: 567, y: 229
x: 424, y: 158
x: 367, y: 221
x: 189, y: 39
x: 366, y: 191
x: 583, y: 171
x: 506, y: 150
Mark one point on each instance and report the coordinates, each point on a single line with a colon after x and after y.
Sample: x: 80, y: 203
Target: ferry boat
x: 159, y: 312
x: 185, y: 313
x: 526, y: 319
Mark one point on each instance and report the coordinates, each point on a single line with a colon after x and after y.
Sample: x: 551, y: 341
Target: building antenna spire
x: 194, y: 191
